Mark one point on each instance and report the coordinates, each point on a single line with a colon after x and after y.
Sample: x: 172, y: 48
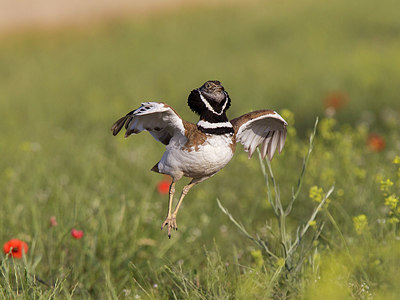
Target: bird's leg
x: 171, y: 218
x: 168, y: 220
x: 185, y: 190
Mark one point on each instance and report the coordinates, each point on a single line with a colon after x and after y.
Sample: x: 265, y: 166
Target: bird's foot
x: 171, y: 222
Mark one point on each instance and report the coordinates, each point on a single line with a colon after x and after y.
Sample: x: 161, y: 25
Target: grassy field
x: 62, y: 91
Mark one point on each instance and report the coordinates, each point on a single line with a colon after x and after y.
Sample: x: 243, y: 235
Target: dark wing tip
x: 116, y: 128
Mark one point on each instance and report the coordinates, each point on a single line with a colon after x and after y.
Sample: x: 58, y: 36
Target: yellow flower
x: 328, y: 176
x: 391, y: 201
x: 312, y: 223
x: 288, y: 116
x: 378, y: 178
x: 360, y: 173
x: 394, y: 220
x: 316, y: 194
x: 326, y: 128
x: 281, y: 262
x: 257, y: 256
x: 396, y: 160
x: 360, y: 222
x: 291, y: 131
x: 385, y: 185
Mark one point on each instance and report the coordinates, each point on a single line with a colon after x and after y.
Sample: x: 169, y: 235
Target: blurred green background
x: 62, y: 90
x: 275, y: 55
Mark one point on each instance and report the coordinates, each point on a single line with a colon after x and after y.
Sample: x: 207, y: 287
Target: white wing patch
x: 159, y: 119
x: 268, y: 129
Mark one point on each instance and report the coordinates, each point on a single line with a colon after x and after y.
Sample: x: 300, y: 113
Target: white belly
x: 209, y: 158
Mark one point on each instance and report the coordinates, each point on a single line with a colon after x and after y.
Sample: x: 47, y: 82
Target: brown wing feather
x: 239, y: 121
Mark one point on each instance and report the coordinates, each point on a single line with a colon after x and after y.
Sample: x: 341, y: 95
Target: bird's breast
x: 198, y: 158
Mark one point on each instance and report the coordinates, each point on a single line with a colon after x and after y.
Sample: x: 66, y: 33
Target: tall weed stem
x: 289, y: 242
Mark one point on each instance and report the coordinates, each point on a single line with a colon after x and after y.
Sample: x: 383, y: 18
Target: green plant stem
x: 307, y: 225
x: 259, y: 242
x: 303, y: 169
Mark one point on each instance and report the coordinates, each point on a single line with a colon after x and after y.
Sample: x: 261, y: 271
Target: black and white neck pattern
x: 212, y: 111
x: 215, y: 127
x: 207, y: 108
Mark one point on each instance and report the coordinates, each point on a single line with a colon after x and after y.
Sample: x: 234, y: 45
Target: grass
x: 61, y: 92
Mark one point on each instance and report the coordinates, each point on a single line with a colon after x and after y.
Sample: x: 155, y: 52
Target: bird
x: 198, y: 151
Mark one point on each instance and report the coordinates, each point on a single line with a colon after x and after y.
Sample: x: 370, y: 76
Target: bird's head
x: 213, y: 90
x: 210, y: 101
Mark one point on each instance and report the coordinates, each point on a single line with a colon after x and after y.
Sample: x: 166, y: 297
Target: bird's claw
x: 171, y: 222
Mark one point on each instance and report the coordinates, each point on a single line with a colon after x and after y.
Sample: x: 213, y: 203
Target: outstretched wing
x: 265, y: 127
x: 159, y: 119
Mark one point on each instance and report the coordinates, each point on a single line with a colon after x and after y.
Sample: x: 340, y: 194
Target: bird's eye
x: 208, y: 85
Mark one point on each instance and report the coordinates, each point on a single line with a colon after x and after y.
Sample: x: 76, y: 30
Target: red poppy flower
x: 163, y: 187
x: 375, y: 142
x: 53, y: 221
x: 15, y: 247
x: 335, y: 101
x: 76, y: 234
